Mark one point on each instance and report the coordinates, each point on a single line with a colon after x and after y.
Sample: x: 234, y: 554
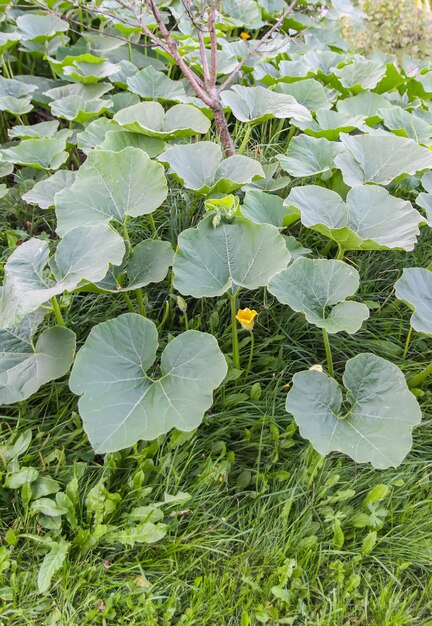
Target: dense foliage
x: 123, y: 192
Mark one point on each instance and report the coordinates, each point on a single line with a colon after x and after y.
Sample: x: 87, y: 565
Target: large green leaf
x: 265, y: 208
x: 319, y: 289
x: 330, y: 124
x: 406, y: 124
x: 310, y: 93
x: 361, y: 74
x: 149, y: 118
x: 32, y: 279
x: 44, y: 191
x: 381, y: 158
x: 117, y: 140
x: 39, y: 27
x: 121, y: 403
x: 154, y: 85
x: 78, y: 109
x: 16, y: 106
x: 308, y: 156
x: 15, y: 88
x: 210, y: 261
x: 94, y: 134
x: 147, y: 263
x: 414, y: 287
x: 111, y: 185
x: 25, y: 367
x: 371, y: 219
x: 43, y: 154
x: 256, y: 104
x: 366, y: 103
x: 376, y: 427
x: 41, y: 130
x: 199, y: 166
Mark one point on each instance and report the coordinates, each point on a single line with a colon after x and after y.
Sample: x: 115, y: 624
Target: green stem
x: 234, y: 331
x: 165, y: 315
x: 141, y: 307
x: 327, y: 247
x: 5, y: 69
x: 152, y: 224
x: 129, y: 302
x: 290, y: 136
x: 418, y: 380
x: 125, y: 231
x: 340, y: 254
x: 407, y: 342
x: 186, y: 321
x: 328, y: 353
x: 57, y: 312
x: 252, y: 345
x: 245, y: 138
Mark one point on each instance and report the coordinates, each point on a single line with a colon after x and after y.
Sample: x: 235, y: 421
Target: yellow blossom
x: 245, y: 36
x: 246, y: 318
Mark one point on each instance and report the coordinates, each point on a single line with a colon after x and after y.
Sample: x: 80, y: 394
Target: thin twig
x: 259, y: 43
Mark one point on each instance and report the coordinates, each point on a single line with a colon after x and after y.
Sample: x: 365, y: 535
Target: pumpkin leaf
x: 149, y: 118
x: 111, y: 185
x: 25, y: 367
x: 375, y: 423
x: 120, y: 404
x: 319, y: 288
x: 414, y: 288
x: 371, y: 219
x: 199, y: 166
x: 210, y: 261
x: 32, y: 279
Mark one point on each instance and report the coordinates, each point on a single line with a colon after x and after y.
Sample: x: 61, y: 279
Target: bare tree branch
x: 258, y: 44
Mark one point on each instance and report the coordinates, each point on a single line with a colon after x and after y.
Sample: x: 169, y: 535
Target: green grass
x: 272, y: 532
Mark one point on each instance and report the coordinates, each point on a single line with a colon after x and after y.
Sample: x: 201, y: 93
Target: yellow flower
x: 245, y: 36
x: 246, y: 318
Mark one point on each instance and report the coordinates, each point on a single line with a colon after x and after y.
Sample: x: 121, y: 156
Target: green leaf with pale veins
x: 31, y: 278
x: 43, y: 154
x: 110, y: 186
x: 265, y: 208
x: 371, y: 219
x: 44, y: 191
x: 147, y: 263
x: 121, y: 403
x: 319, y: 289
x: 372, y: 424
x: 25, y: 367
x: 308, y: 156
x: 200, y: 167
x: 257, y: 104
x: 380, y: 158
x: 414, y: 288
x: 210, y: 261
x: 309, y: 93
x: 150, y: 118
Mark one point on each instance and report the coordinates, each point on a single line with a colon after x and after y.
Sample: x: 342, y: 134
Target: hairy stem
x: 140, y: 300
x: 57, y: 312
x: 407, y: 343
x: 328, y: 353
x: 234, y: 331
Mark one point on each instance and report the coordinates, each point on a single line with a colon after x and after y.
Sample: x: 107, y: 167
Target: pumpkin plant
x: 293, y: 162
